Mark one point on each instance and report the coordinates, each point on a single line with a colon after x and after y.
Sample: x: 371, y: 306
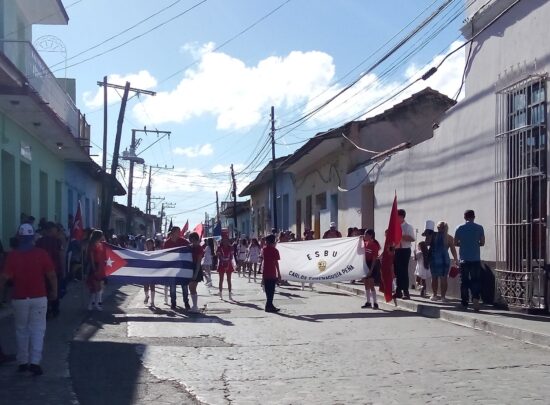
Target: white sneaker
x: 434, y: 298
x: 194, y: 310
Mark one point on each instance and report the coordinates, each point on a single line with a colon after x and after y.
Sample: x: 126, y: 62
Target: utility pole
x: 148, y: 190
x: 217, y: 208
x: 273, y: 168
x: 148, y: 194
x: 132, y: 158
x: 104, y: 166
x: 109, y: 182
x: 206, y: 224
x: 163, y: 206
x: 234, y: 193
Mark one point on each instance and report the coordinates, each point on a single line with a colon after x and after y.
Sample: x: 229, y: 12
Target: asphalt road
x: 321, y: 349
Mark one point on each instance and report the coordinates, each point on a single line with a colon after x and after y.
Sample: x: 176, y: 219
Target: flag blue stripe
x: 159, y: 264
x: 148, y: 280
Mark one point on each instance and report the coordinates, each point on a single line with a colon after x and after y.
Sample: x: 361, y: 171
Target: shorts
x: 439, y: 270
x: 225, y: 269
x: 374, y: 270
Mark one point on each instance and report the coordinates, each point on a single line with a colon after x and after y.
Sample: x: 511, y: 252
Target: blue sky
x: 216, y: 102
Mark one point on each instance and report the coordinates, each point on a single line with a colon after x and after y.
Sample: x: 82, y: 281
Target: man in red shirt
x: 175, y: 240
x: 271, y: 274
x: 28, y: 268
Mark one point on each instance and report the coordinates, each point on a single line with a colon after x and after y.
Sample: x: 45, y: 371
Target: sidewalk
x: 55, y: 386
x: 533, y: 329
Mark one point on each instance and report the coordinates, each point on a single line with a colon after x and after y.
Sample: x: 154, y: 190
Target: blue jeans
x: 184, y: 290
x: 470, y: 273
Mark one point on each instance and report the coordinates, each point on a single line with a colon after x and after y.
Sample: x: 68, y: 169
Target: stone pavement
x: 534, y: 329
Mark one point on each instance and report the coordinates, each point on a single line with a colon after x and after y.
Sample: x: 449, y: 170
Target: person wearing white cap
x: 33, y: 275
x: 332, y: 232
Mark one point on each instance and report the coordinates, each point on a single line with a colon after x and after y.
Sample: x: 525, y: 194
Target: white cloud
x: 371, y: 90
x: 237, y: 95
x: 195, y: 151
x: 142, y: 80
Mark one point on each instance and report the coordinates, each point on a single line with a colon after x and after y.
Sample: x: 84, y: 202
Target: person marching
x: 253, y: 257
x: 225, y: 264
x: 440, y: 261
x: 242, y: 250
x: 197, y: 254
x: 96, y: 260
x: 149, y: 288
x: 372, y: 249
x: 208, y: 261
x: 175, y: 240
x: 271, y: 274
x: 33, y: 274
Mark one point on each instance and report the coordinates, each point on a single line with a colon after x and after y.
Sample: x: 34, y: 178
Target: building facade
x: 45, y: 167
x: 490, y: 152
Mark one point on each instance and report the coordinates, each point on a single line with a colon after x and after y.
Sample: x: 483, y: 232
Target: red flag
x: 77, y: 232
x: 393, y: 237
x: 199, y: 229
x: 184, y: 229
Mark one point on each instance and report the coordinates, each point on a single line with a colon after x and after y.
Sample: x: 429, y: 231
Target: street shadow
x: 105, y: 372
x: 246, y: 305
x: 289, y: 295
x: 397, y: 313
x: 333, y: 293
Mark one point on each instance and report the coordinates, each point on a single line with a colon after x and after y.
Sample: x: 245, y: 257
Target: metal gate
x: 521, y: 193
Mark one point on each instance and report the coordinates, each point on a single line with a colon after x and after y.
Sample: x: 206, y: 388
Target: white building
x: 490, y: 152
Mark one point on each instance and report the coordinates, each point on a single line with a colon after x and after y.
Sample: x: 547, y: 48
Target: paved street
x: 321, y: 348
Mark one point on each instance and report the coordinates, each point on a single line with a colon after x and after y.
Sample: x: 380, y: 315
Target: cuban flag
x: 149, y: 267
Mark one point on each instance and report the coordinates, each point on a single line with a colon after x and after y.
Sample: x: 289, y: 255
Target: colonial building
x: 45, y: 167
x: 489, y: 152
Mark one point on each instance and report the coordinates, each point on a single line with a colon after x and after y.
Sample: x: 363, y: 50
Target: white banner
x: 323, y: 260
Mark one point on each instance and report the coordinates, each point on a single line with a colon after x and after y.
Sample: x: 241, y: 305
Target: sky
x: 219, y: 65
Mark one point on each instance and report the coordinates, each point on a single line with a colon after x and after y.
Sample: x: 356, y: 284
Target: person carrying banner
x: 197, y: 254
x: 372, y: 249
x: 175, y: 240
x: 149, y: 288
x: 34, y: 281
x: 225, y: 263
x: 271, y: 274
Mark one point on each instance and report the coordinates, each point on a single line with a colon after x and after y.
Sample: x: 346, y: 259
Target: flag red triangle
x: 113, y: 261
x: 184, y: 229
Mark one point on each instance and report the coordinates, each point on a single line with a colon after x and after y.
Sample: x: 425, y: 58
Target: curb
x: 466, y: 319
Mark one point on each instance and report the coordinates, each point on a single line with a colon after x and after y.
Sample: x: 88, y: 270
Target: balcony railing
x: 27, y: 60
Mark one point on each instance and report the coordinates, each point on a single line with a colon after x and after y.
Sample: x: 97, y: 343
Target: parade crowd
x: 44, y: 259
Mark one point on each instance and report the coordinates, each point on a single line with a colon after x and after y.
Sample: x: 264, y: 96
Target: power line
x: 135, y: 37
x: 119, y: 34
x: 228, y: 41
x: 375, y: 65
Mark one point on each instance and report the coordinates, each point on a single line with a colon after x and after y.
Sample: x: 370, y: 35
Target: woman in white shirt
x: 253, y: 257
x: 207, y: 261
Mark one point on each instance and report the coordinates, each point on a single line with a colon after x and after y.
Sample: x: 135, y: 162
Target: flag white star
x: 109, y: 262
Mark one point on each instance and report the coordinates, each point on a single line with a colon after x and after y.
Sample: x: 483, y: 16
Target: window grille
x: 521, y: 193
